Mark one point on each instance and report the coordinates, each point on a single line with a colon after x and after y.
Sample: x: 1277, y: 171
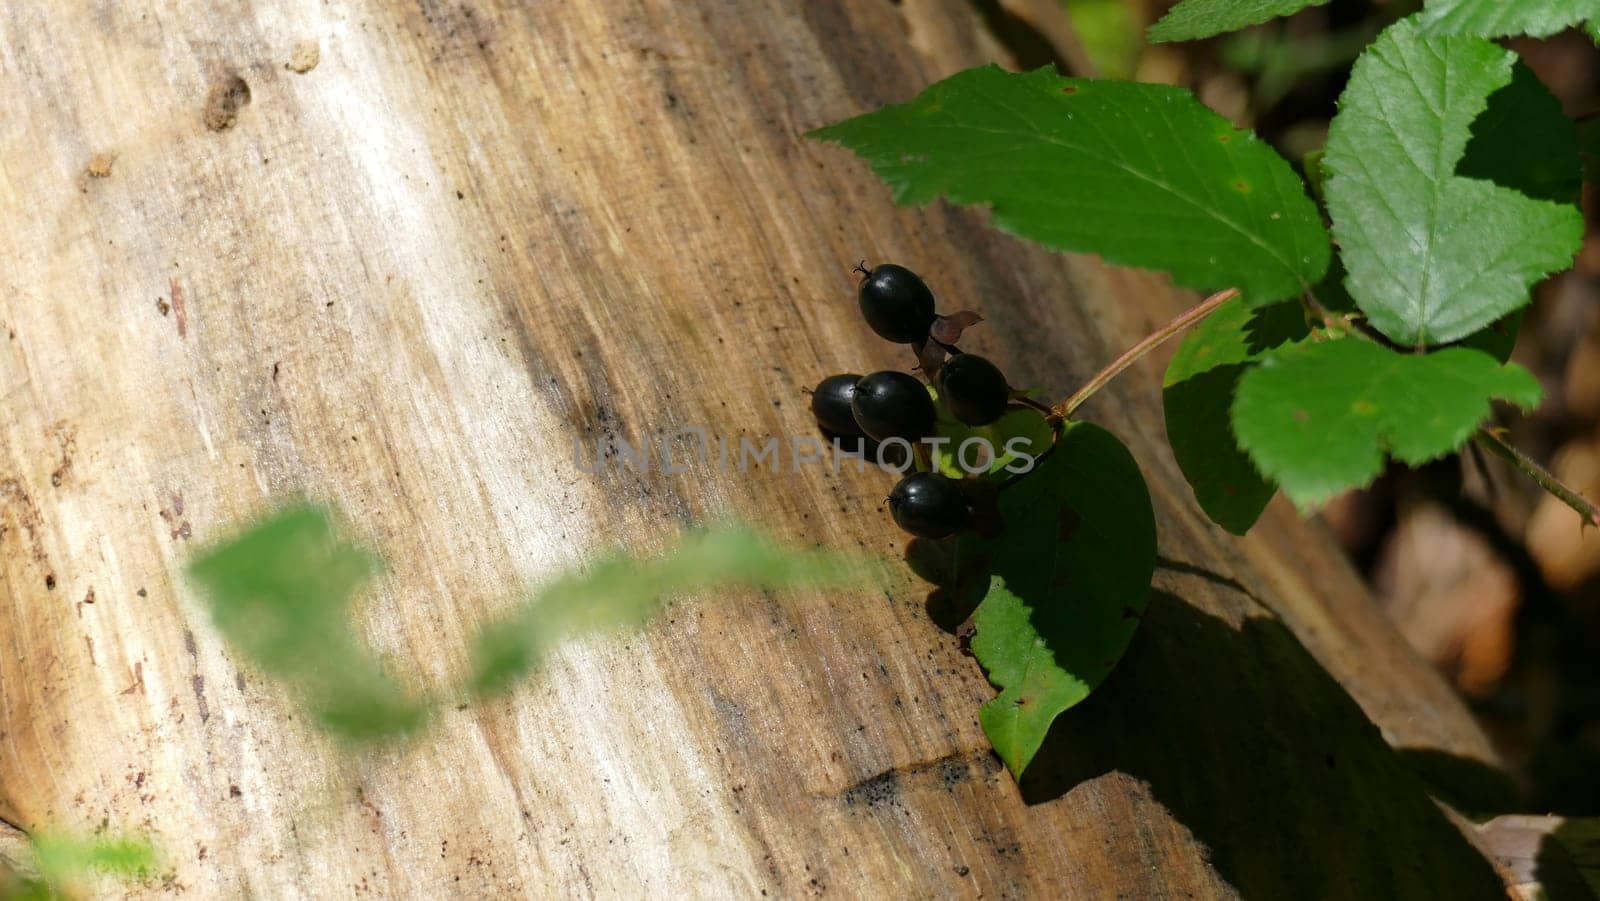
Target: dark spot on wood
x: 199, y: 685
x: 226, y: 97
x: 882, y: 790
x: 178, y: 310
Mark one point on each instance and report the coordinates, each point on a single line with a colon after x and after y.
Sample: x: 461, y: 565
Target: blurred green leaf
x: 1432, y: 256
x: 621, y: 590
x: 1110, y: 33
x: 1318, y: 416
x: 280, y: 593
x: 1193, y: 19
x: 1142, y: 174
x: 1198, y: 394
x: 61, y: 860
x: 1506, y: 18
x: 1068, y: 581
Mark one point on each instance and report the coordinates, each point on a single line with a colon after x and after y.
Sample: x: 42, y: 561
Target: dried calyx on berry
x: 899, y: 306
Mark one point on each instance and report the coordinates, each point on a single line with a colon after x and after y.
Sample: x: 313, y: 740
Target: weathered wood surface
x: 402, y: 281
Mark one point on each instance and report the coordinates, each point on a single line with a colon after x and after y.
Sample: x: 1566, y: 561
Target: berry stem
x: 1491, y: 440
x: 1066, y: 408
x: 1029, y: 402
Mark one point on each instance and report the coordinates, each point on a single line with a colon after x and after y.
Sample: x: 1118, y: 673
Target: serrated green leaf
x: 1432, y: 256
x: 1506, y: 18
x: 1068, y: 582
x: 1194, y: 19
x: 1318, y: 416
x: 1523, y: 141
x: 1197, y: 395
x: 1142, y: 174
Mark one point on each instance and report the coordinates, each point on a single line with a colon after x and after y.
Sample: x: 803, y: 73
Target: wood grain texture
x: 403, y: 281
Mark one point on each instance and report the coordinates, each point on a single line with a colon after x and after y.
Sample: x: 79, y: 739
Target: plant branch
x: 1066, y: 408
x: 1490, y: 440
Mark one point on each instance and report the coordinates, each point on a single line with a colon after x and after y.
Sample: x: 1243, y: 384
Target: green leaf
x: 61, y: 857
x: 1523, y: 141
x: 1142, y: 174
x: 1110, y: 33
x: 1069, y: 579
x: 1197, y: 395
x: 60, y: 861
x: 1193, y: 19
x: 1318, y: 416
x: 280, y: 593
x: 1505, y: 18
x: 1498, y: 339
x: 1015, y: 437
x: 1432, y: 256
x: 621, y: 590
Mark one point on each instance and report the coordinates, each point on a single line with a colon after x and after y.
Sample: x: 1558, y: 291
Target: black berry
x: 830, y: 403
x: 893, y: 404
x: 897, y: 304
x: 974, y: 388
x: 929, y: 505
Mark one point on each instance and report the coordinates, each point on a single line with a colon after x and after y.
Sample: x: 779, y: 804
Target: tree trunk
x: 404, y: 280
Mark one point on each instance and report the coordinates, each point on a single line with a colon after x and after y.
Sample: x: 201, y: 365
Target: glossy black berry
x: 893, y: 404
x: 830, y: 403
x: 929, y: 505
x: 897, y: 304
x: 974, y: 389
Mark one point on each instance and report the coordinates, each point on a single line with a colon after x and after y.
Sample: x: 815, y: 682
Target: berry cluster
x: 889, y: 405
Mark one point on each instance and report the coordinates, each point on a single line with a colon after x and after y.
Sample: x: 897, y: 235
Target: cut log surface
x: 398, y: 256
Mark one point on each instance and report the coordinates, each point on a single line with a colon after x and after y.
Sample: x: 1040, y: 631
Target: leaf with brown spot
x: 1054, y: 621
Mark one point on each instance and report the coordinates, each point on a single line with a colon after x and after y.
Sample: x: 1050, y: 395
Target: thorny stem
x: 1490, y: 440
x: 1066, y: 408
